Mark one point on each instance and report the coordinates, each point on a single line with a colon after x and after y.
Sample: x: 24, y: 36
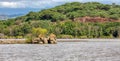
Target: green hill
x: 65, y: 22
x: 75, y: 10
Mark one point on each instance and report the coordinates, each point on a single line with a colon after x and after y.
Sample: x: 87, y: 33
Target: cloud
x: 11, y: 4
x: 28, y: 3
x: 7, y: 4
x: 43, y: 3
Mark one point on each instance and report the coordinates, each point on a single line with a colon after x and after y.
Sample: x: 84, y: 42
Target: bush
x: 29, y: 40
x: 83, y: 37
x: 19, y: 37
x: 116, y: 17
x: 65, y: 36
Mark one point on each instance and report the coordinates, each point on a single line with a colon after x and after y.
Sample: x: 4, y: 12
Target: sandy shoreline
x: 70, y: 40
x: 87, y: 40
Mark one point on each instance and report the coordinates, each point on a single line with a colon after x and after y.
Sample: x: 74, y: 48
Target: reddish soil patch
x: 95, y: 19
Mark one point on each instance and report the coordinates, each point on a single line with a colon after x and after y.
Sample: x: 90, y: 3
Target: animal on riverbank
x: 43, y: 40
x: 52, y: 39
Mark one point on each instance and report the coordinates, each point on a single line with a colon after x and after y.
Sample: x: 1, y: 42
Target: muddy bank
x: 12, y: 41
x: 23, y: 41
x: 87, y: 40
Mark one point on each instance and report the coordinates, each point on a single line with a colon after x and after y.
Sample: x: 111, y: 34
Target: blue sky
x: 25, y: 6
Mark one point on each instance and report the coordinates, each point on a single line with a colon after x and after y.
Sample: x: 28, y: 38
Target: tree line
x: 66, y: 29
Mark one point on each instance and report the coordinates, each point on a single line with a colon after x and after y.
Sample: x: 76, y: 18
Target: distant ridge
x: 5, y: 17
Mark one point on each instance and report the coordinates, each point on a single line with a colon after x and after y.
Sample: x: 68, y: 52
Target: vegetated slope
x: 66, y: 21
x: 77, y: 10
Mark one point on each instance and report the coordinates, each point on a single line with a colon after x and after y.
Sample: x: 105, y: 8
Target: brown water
x: 63, y: 51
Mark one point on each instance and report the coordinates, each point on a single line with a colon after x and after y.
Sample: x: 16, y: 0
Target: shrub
x: 83, y: 37
x: 65, y: 36
x: 19, y: 37
x: 29, y: 40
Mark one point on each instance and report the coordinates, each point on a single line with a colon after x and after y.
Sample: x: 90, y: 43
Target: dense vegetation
x: 75, y: 10
x: 59, y: 20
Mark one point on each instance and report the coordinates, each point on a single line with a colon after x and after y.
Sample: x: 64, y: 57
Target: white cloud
x: 8, y: 4
x: 12, y: 5
x: 42, y: 3
x: 28, y: 4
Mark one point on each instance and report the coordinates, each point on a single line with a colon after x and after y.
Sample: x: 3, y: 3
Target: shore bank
x: 87, y: 40
x: 23, y: 41
x: 12, y: 41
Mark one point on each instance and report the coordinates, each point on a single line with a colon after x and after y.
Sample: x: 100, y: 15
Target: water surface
x: 63, y: 51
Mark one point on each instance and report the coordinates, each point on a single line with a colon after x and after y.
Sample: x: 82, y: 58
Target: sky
x: 25, y: 6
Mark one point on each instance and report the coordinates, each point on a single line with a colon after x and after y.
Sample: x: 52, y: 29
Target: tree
x: 58, y: 16
x: 114, y: 16
x: 73, y: 15
x: 46, y: 14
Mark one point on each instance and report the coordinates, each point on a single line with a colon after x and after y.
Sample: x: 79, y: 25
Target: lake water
x: 63, y: 51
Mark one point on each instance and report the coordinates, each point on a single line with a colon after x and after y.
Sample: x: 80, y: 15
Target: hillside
x: 66, y: 21
x: 76, y: 10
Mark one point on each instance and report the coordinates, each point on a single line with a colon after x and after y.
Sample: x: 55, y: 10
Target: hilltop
x: 76, y: 10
